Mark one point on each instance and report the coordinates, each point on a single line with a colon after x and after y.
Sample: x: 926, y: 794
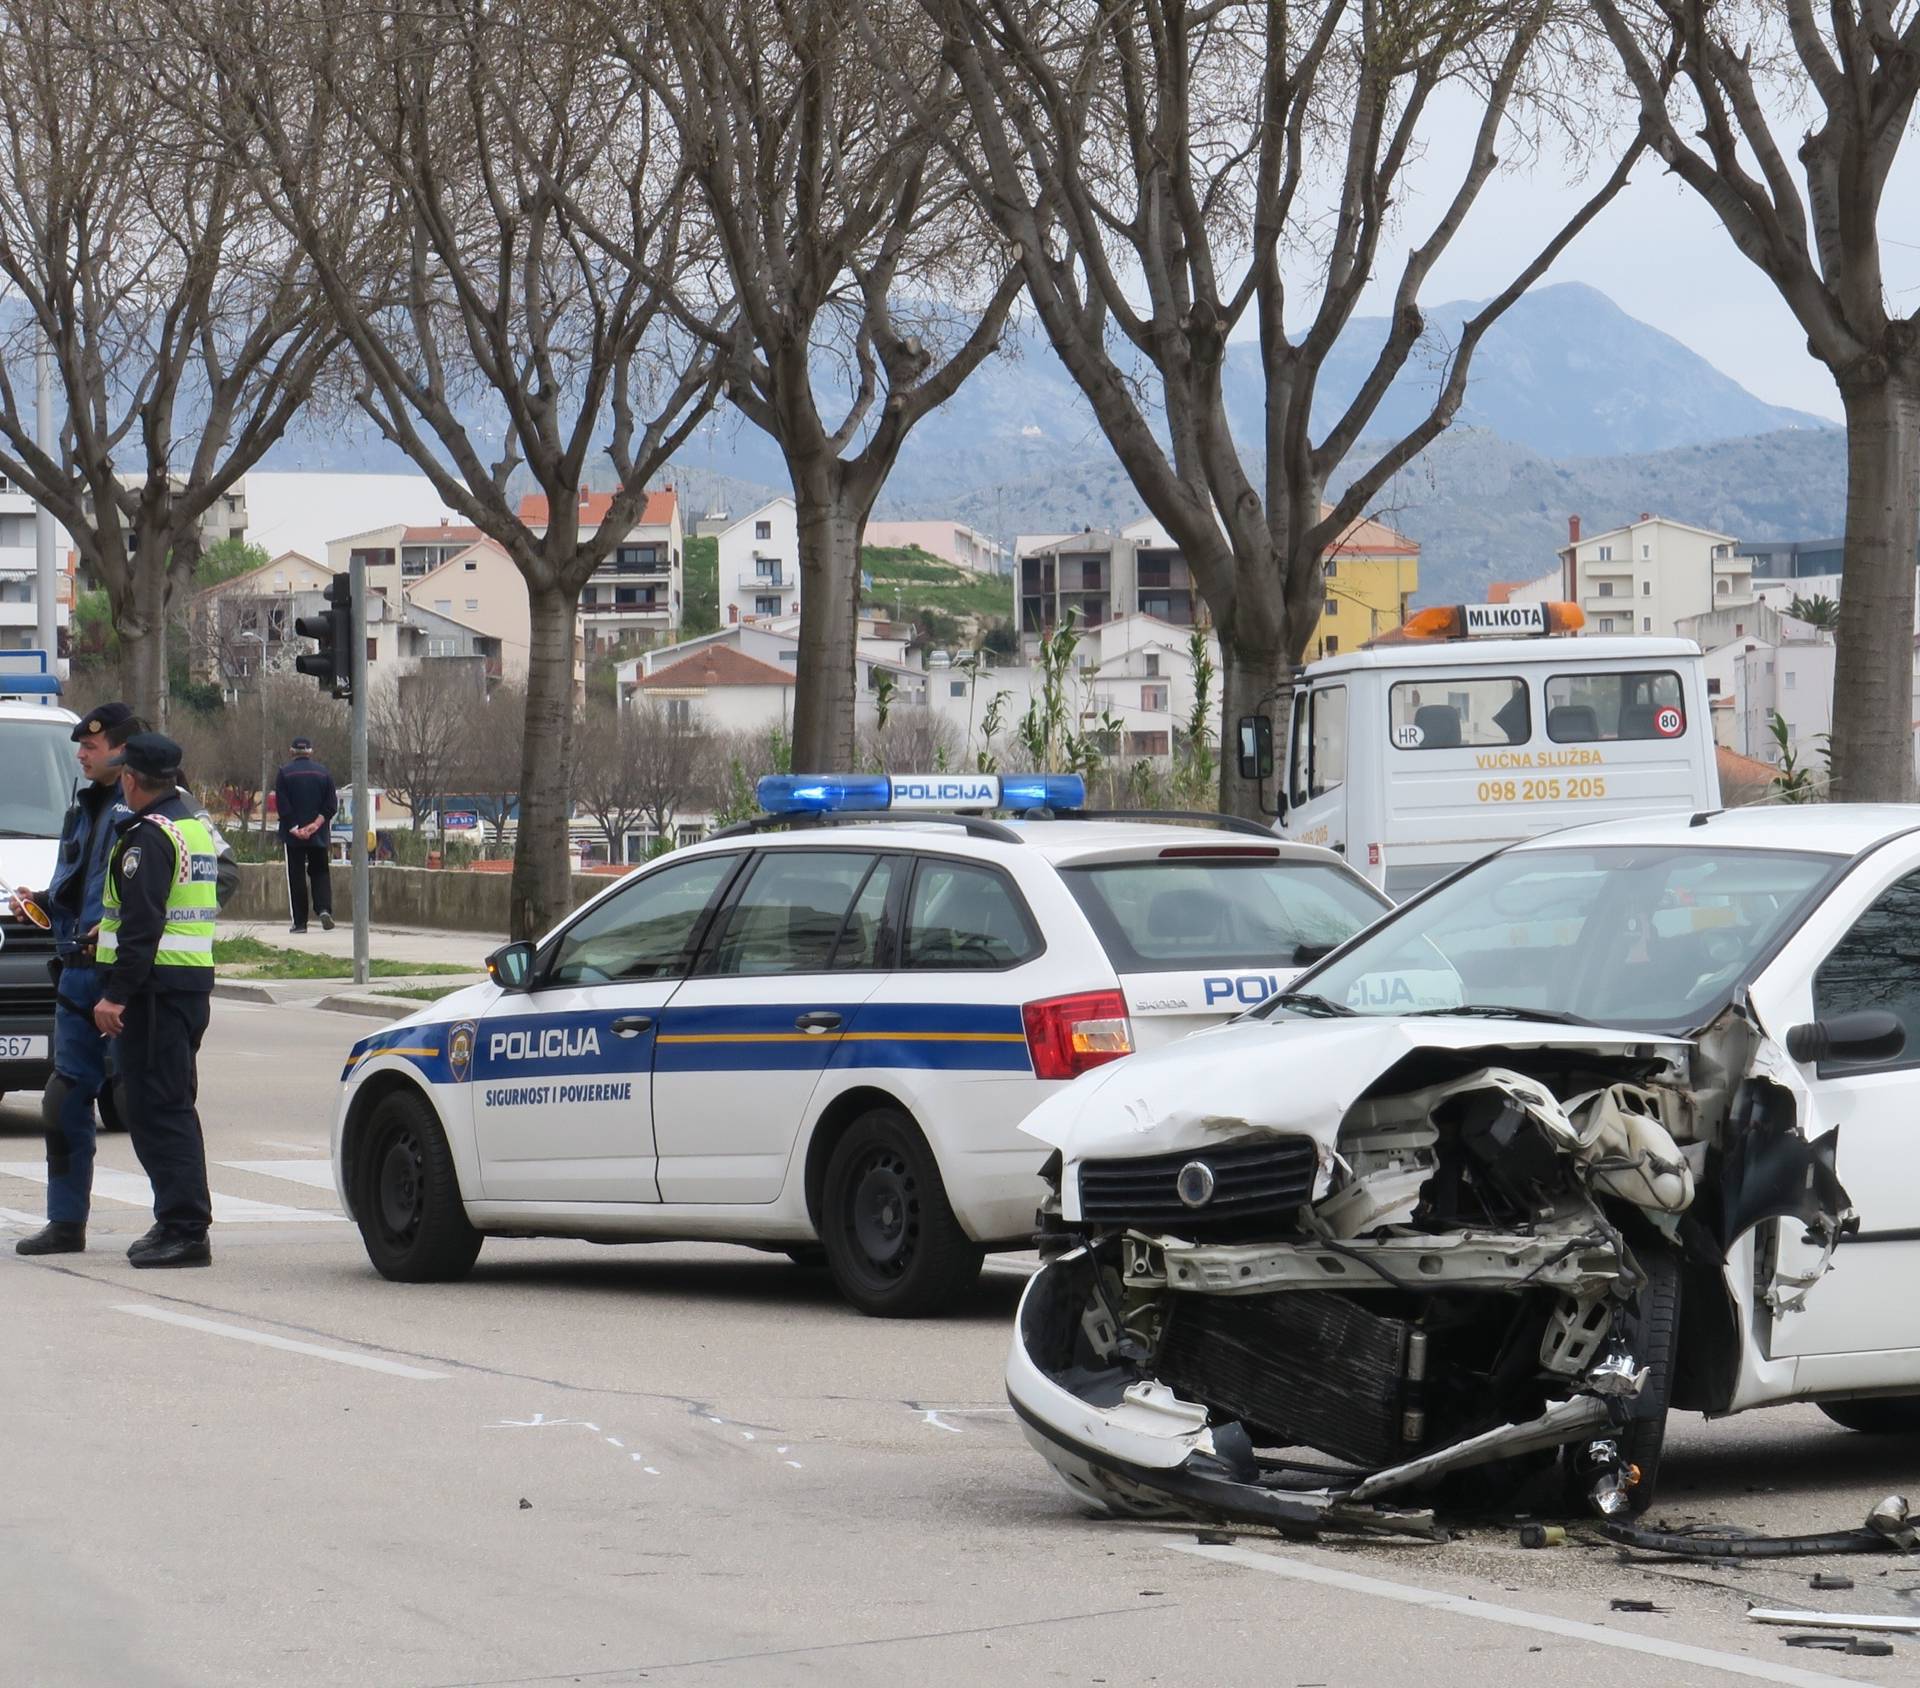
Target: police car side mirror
x: 1867, y: 1034
x: 1256, y: 747
x: 511, y: 967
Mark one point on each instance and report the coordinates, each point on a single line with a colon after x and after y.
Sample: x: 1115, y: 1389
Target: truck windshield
x: 1171, y: 916
x: 37, y: 772
x: 1653, y: 937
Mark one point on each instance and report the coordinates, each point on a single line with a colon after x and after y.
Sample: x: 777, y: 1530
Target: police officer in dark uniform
x: 158, y: 912
x: 304, y: 796
x: 72, y: 901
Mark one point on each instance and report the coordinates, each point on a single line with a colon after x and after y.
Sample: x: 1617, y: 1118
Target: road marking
x: 293, y: 1148
x: 265, y: 1339
x: 133, y: 1189
x: 13, y: 1216
x: 1541, y: 1623
x: 1014, y: 1268
x: 315, y: 1174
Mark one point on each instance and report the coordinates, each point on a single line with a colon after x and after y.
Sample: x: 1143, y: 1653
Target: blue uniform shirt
x: 75, y: 893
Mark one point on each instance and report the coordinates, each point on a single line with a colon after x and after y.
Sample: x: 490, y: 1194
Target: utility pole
x: 46, y: 612
x: 362, y: 797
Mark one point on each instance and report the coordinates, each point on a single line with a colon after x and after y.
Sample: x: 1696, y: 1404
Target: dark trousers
x: 159, y: 1085
x: 307, y: 865
x: 80, y: 1070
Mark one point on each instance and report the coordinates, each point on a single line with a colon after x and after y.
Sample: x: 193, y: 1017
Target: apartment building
x: 1649, y: 575
x: 952, y: 542
x: 1371, y: 576
x: 19, y: 584
x: 635, y: 597
x: 759, y: 562
x: 245, y: 624
x: 400, y: 553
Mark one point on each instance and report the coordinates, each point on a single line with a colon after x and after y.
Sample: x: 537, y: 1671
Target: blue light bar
x: 819, y: 794
x: 1043, y: 791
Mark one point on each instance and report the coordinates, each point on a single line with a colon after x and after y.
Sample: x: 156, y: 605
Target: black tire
x: 893, y: 1246
x: 1894, y: 1415
x: 1643, y: 1441
x: 809, y: 1257
x: 407, y: 1195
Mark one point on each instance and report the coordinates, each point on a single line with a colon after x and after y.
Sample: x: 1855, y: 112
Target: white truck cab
x: 1416, y: 758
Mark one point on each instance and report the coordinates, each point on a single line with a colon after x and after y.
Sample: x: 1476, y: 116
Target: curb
x: 370, y: 1006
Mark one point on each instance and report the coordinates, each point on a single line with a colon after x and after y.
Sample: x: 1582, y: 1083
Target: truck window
x: 1642, y: 704
x: 1319, y: 743
x: 36, y: 778
x: 1442, y: 713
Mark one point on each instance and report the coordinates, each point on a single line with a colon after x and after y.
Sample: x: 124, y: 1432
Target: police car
x: 823, y: 1038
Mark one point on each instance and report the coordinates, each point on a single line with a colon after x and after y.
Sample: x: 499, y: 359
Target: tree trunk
x: 140, y: 620
x: 542, y: 879
x: 824, y: 699
x: 1255, y: 679
x: 1873, y: 684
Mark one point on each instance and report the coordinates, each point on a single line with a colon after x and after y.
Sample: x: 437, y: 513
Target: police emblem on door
x: 460, y: 1050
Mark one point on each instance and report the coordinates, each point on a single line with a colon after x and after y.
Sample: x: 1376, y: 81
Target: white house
x: 635, y: 596
x: 721, y: 689
x: 1794, y: 679
x: 768, y: 648
x: 1647, y: 576
x: 19, y: 594
x: 759, y: 562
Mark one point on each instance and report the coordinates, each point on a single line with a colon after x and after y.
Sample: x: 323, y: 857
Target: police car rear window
x: 1176, y: 916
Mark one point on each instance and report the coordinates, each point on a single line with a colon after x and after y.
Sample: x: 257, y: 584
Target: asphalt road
x: 691, y: 1465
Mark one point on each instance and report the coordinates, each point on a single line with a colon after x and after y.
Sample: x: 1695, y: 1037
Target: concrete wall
x: 402, y: 896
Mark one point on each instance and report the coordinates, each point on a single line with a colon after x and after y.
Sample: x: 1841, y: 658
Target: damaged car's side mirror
x: 1866, y: 1034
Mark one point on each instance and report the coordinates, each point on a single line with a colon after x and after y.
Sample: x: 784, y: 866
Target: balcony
x: 603, y: 611
x: 781, y: 582
x: 628, y: 568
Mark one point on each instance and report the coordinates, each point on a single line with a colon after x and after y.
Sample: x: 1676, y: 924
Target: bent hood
x: 1283, y: 1075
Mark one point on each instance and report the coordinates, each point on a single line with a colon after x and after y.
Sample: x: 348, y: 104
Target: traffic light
x: 331, y: 662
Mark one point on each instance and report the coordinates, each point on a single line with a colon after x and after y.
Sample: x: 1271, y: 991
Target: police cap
x: 153, y: 756
x: 102, y: 720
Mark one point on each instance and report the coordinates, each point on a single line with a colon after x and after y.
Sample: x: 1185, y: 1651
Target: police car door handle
x: 820, y: 1020
x: 632, y: 1025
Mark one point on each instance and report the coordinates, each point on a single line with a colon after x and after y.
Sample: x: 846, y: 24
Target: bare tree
x: 534, y: 213
x: 1813, y: 228
x: 418, y: 728
x: 842, y: 226
x: 1154, y: 164
x: 184, y: 329
x: 641, y: 765
x: 911, y: 740
x: 491, y: 754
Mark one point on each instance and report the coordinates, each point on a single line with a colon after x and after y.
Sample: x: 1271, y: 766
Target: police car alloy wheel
x: 411, y: 1217
x: 893, y: 1245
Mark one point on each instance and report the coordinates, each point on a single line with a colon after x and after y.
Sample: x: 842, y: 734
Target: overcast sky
x: 1657, y: 251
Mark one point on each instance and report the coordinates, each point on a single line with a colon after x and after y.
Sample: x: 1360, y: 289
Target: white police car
x: 827, y: 1035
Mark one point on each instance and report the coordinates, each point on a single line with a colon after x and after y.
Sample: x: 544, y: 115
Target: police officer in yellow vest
x: 156, y: 947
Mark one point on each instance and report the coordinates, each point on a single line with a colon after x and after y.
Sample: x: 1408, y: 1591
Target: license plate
x: 23, y: 1048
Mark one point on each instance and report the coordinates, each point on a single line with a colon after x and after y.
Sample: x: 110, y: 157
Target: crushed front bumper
x: 1134, y: 1447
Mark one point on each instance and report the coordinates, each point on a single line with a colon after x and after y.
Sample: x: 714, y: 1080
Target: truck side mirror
x: 1867, y: 1034
x: 1256, y: 747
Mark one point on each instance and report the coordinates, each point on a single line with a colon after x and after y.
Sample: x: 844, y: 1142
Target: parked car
x: 1616, y: 1121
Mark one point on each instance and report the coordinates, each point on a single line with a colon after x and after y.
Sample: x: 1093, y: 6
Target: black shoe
x: 176, y: 1249
x: 296, y: 928
x: 59, y: 1237
x: 326, y: 921
x: 156, y: 1234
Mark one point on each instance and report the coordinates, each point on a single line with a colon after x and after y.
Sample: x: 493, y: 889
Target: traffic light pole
x: 362, y: 798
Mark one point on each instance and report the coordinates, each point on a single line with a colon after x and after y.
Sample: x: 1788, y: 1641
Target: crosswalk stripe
x: 315, y: 1174
x: 110, y: 1184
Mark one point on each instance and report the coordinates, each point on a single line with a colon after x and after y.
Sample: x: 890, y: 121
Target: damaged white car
x: 1620, y: 1120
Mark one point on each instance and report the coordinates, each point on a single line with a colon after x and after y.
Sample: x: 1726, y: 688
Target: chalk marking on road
x: 13, y: 1216
x: 939, y: 1423
x: 264, y: 1339
x: 315, y: 1174
x: 1514, y: 1617
x: 132, y: 1188
x: 295, y: 1148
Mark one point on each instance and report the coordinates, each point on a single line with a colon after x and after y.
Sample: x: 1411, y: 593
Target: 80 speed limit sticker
x: 1669, y: 723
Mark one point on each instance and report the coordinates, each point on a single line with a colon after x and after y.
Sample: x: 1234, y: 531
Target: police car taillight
x: 1070, y: 1035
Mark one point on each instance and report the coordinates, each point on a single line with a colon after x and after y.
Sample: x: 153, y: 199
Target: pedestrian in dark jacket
x: 304, y: 796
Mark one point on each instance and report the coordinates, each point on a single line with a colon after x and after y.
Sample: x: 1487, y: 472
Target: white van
x: 1414, y: 759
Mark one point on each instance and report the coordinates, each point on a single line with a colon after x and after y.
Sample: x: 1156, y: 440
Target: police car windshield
x: 1182, y: 915
x: 1625, y: 936
x: 37, y: 774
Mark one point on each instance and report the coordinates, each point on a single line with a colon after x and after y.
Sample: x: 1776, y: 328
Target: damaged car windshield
x: 1626, y: 936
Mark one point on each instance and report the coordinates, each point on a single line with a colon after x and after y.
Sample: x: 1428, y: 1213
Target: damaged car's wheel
x: 893, y: 1246
x: 1658, y: 1327
x: 1899, y: 1416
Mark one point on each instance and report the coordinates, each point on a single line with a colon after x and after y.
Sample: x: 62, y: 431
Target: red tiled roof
x: 718, y: 665
x: 440, y: 530
x: 1368, y: 538
x: 1742, y: 770
x: 657, y: 511
x: 1501, y: 590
